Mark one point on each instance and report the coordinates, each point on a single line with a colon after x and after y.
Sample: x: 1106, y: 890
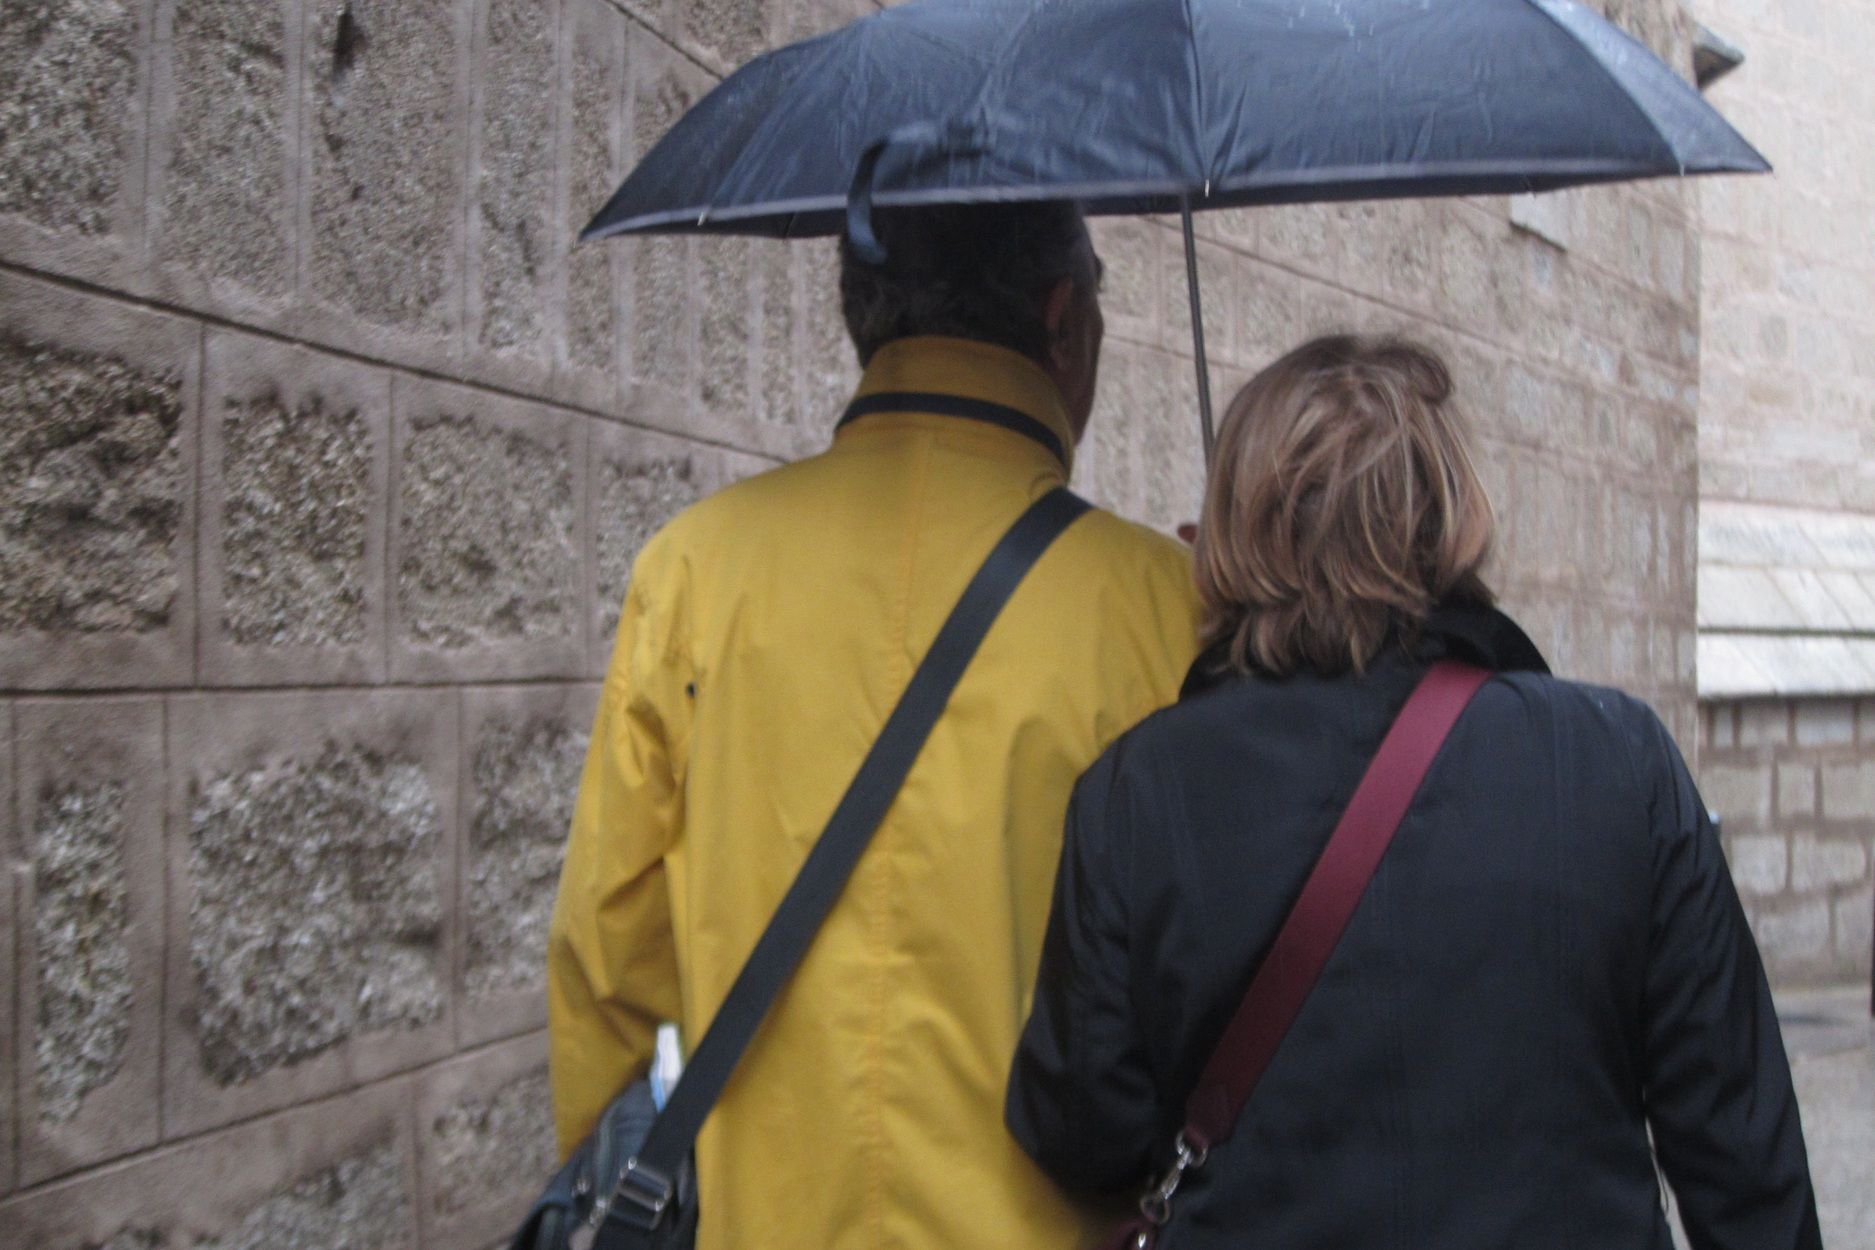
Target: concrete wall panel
x: 296, y: 455
x: 12, y: 881
x: 225, y: 147
x: 523, y: 748
x: 514, y: 252
x: 487, y: 563
x: 640, y: 480
x: 485, y: 1140
x: 96, y: 534
x: 591, y: 359
x: 661, y: 85
x: 311, y: 873
x: 72, y: 126
x: 91, y: 931
x: 339, y: 1173
x: 385, y: 121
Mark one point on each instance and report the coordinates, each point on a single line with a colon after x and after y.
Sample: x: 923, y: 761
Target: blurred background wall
x: 324, y: 457
x: 1787, y: 484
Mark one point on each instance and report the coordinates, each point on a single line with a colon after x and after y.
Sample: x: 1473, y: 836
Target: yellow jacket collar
x: 969, y: 370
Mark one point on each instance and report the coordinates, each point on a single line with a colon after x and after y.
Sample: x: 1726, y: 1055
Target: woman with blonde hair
x: 1383, y: 936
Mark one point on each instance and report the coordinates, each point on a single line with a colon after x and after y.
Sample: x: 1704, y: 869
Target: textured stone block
x: 1392, y: 246
x: 1818, y: 863
x: 72, y: 130
x: 1110, y: 462
x: 340, y: 1174
x: 640, y: 480
x: 829, y: 369
x: 1298, y: 235
x: 296, y: 450
x: 1794, y: 933
x: 522, y: 752
x: 1796, y: 791
x: 1854, y: 939
x: 311, y: 888
x: 1137, y: 260
x: 514, y: 244
x: 1825, y: 722
x: 724, y: 317
x: 487, y: 560
x: 1268, y: 308
x: 385, y: 118
x: 778, y: 313
x: 725, y: 33
x: 224, y: 160
x: 91, y: 931
x: 1764, y: 723
x: 664, y: 308
x: 1760, y: 863
x: 1739, y: 793
x: 803, y: 19
x: 96, y: 501
x: 1173, y: 452
x: 485, y: 1130
x: 594, y: 124
x: 11, y: 869
x: 1849, y: 790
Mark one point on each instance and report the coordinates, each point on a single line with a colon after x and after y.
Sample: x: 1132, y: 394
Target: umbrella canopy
x: 1151, y: 106
x: 1134, y: 106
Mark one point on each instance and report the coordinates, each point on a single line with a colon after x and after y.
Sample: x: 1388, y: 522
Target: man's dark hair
x: 973, y: 271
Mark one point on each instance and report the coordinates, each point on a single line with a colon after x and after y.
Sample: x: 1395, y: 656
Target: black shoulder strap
x: 647, y: 1186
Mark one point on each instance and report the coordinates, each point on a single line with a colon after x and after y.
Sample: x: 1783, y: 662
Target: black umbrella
x: 1155, y: 106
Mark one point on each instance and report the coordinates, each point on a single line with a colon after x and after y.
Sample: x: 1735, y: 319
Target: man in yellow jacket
x: 766, y: 635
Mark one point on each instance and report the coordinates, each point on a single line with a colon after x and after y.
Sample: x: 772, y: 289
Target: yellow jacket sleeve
x: 611, y: 963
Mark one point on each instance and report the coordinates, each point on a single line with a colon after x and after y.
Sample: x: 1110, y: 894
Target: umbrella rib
x: 1653, y: 123
x: 1197, y: 100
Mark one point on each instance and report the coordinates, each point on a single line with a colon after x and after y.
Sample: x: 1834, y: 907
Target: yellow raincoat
x: 766, y: 634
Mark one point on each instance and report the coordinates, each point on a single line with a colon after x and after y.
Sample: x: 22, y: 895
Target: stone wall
x: 325, y: 458
x: 1788, y: 361
x: 1787, y: 380
x: 1793, y: 781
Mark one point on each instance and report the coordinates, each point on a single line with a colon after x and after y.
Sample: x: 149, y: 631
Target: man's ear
x: 1055, y: 309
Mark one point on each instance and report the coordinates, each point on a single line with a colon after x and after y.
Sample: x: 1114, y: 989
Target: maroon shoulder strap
x: 1327, y: 901
x: 1309, y: 933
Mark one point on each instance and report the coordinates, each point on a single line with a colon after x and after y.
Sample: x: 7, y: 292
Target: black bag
x: 631, y: 1184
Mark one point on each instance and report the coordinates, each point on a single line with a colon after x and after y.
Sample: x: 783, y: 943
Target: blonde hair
x: 1343, y: 506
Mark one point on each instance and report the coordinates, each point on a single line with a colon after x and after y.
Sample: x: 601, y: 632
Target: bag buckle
x: 639, y: 1200
x: 1156, y: 1205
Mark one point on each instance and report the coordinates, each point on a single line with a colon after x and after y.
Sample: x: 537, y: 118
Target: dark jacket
x: 1550, y: 961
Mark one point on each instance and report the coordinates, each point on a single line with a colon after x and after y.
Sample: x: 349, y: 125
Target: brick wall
x: 1794, y: 783
x: 322, y: 463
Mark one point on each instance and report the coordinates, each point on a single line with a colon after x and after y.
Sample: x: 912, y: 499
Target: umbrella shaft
x: 1197, y: 333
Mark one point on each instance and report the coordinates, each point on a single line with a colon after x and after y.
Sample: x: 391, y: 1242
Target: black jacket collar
x: 1458, y: 631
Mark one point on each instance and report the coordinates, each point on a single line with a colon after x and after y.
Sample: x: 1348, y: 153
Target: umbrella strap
x: 945, y: 405
x: 914, y: 142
